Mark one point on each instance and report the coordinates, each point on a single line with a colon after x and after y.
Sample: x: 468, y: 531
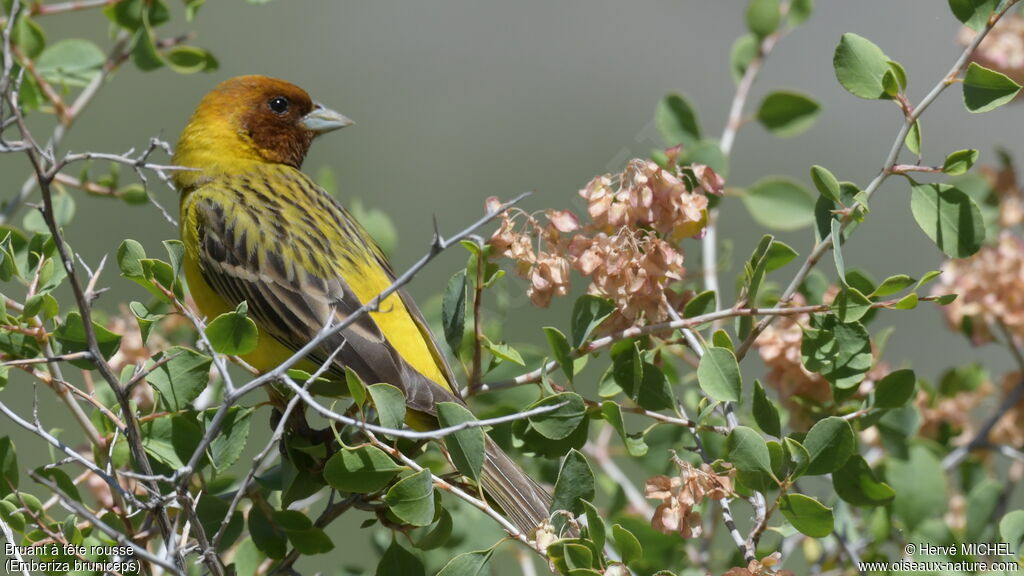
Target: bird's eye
x: 278, y: 105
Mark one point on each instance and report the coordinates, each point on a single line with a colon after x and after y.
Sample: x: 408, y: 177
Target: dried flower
x: 628, y: 250
x: 679, y: 496
x: 990, y: 286
x: 762, y: 567
x: 1009, y: 429
x: 544, y: 535
x: 649, y: 196
x: 1011, y: 198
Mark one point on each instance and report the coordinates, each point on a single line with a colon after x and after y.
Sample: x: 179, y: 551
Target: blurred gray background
x: 456, y: 101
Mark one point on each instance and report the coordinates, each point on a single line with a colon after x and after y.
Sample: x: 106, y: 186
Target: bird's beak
x: 322, y: 120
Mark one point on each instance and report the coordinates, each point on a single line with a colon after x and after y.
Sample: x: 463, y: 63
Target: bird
x: 256, y: 229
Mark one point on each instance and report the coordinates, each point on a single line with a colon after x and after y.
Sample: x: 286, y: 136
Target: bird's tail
x: 525, y: 502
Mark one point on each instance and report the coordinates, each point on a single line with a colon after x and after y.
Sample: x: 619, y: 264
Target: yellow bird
x: 256, y: 229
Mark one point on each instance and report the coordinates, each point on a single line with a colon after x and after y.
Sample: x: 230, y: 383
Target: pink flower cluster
x: 629, y: 250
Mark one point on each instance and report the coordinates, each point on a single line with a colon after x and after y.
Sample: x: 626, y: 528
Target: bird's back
x: 270, y: 225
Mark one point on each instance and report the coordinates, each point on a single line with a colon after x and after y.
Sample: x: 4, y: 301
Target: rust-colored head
x: 254, y: 118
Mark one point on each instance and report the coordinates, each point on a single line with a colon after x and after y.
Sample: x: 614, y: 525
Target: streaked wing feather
x: 292, y: 305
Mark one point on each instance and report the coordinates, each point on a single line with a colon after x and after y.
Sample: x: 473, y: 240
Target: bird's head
x: 252, y: 119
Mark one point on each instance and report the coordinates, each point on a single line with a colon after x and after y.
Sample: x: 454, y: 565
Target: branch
x: 438, y: 245
x: 636, y: 331
x: 890, y: 161
x: 119, y: 537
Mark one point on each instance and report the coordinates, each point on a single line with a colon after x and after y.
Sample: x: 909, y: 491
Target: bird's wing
x: 291, y: 269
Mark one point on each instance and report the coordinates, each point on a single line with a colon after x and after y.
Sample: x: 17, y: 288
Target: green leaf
x: 921, y: 487
x: 575, y: 482
x: 839, y: 352
x: 8, y: 466
x: 310, y: 541
x: 857, y: 484
x: 453, y: 311
x: 765, y: 413
x: 466, y: 447
x: 763, y: 17
x: 181, y: 379
x: 627, y: 544
x: 800, y: 11
x: 892, y: 285
x: 72, y: 338
x: 780, y: 204
x: 986, y: 89
x: 949, y: 217
x: 641, y: 381
x: 229, y: 443
x: 981, y: 505
x: 753, y: 275
x: 676, y: 120
x: 830, y: 443
x: 504, y: 352
x: 588, y: 313
x: 851, y: 305
x: 562, y: 422
x: 72, y: 62
x: 928, y: 277
x: 560, y: 349
x: 779, y: 254
x: 748, y: 451
x: 837, y: 250
x: 129, y: 257
x: 465, y: 564
x: 189, y: 60
x: 412, y: 499
x: 233, y: 333
x: 439, y: 534
x: 786, y: 113
x: 973, y: 13
x: 144, y: 54
x: 719, y: 375
x: 810, y: 517
x: 596, y: 529
x: 356, y: 386
x: 63, y: 213
x: 390, y: 404
x: 798, y: 457
x: 171, y: 439
x: 703, y: 303
x: 895, y: 389
x: 27, y: 36
x: 721, y: 339
x: 913, y: 139
x: 959, y: 162
x: 744, y: 51
x: 267, y: 536
x: 860, y: 67
x: 826, y: 183
x: 397, y: 560
x: 362, y: 470
x: 908, y: 302
x: 612, y: 414
x: 571, y: 556
x: 1011, y: 528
